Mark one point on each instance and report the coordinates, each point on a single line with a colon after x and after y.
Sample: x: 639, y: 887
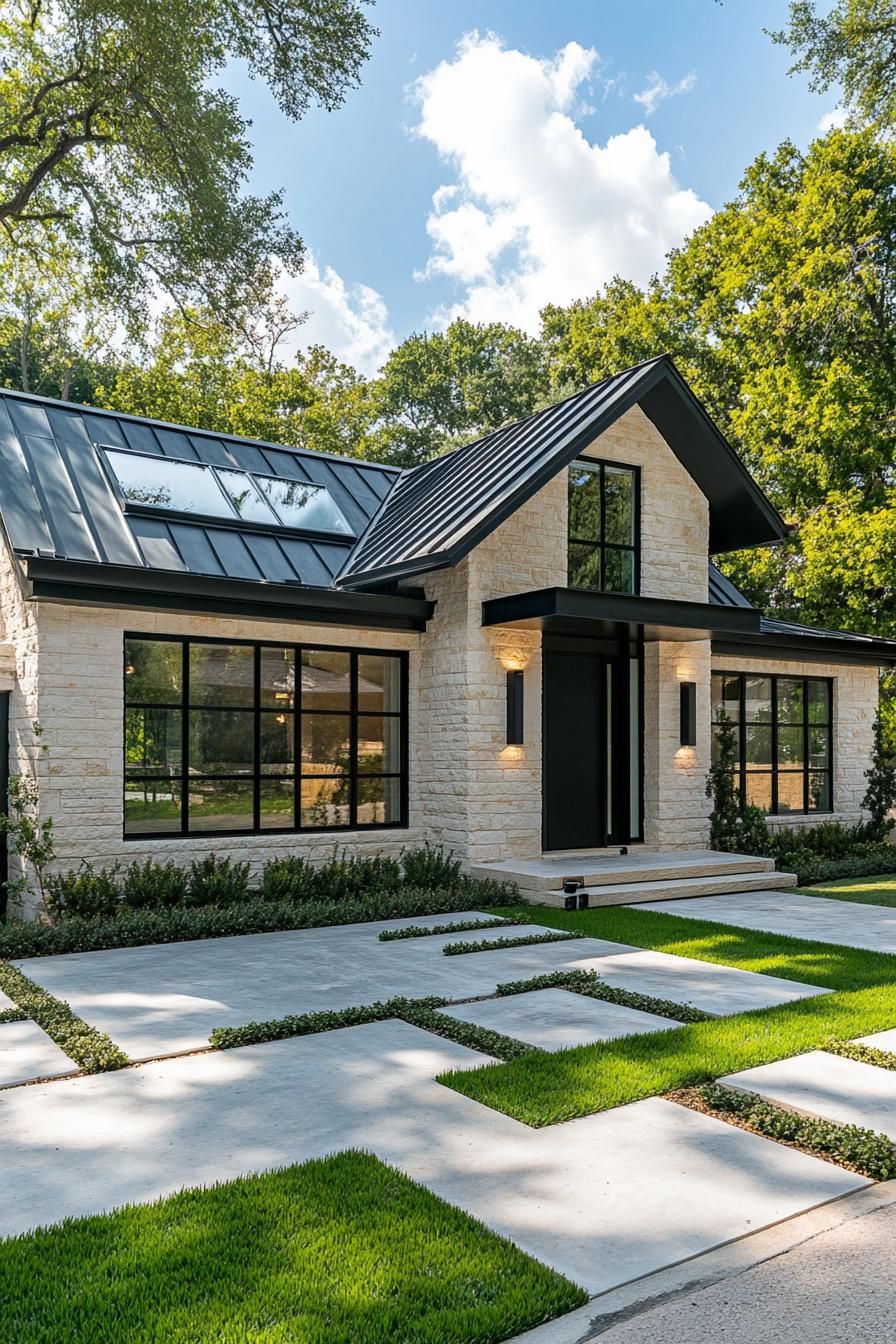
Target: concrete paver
x: 165, y: 999
x: 26, y: 1052
x: 826, y: 1085
x: 603, y: 1199
x: 554, y: 1019
x: 881, y: 1040
x: 822, y: 919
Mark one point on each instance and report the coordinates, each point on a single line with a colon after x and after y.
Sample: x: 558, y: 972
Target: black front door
x: 591, y: 748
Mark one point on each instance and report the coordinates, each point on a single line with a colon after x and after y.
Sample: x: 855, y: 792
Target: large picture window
x: 603, y: 527
x: 236, y: 737
x: 783, y: 726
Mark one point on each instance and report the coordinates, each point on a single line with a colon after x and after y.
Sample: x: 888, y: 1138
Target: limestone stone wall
x: 676, y: 809
x: 854, y: 706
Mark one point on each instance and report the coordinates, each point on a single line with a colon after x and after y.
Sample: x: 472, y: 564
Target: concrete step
x: 534, y: 876
x: 631, y: 893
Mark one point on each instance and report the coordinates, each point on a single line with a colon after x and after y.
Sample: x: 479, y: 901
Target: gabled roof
x: 440, y: 511
x: 57, y: 500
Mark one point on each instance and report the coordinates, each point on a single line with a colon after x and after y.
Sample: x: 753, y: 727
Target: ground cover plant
x: 497, y: 944
x: 334, y: 1251
x: 875, y: 889
x: 456, y: 926
x: 546, y: 1088
x: 863, y: 1150
x: 590, y: 984
x: 90, y: 1049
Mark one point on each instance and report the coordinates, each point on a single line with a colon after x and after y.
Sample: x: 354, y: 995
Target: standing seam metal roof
x: 56, y: 498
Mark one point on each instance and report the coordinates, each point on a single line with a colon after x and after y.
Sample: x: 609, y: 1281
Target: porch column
x: 676, y: 809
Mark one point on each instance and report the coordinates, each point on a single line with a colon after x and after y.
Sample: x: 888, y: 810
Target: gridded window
x: 603, y: 527
x: 258, y: 737
x: 784, y: 739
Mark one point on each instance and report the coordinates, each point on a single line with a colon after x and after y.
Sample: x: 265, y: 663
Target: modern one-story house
x: 519, y: 647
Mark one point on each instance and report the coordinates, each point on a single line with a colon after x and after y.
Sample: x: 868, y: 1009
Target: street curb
x: 735, y: 1257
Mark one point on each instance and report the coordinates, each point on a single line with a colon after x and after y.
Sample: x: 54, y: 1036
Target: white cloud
x: 657, y: 90
x: 537, y: 212
x: 835, y: 118
x: 350, y: 320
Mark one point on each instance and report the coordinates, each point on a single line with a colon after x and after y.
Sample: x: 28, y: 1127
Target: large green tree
x: 852, y: 45
x: 117, y: 141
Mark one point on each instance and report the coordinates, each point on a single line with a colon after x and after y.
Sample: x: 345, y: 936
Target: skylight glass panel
x: 245, y: 497
x: 302, y: 505
x: 162, y: 483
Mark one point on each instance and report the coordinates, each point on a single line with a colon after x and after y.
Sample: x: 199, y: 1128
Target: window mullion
x: 185, y: 737
x: 353, y: 741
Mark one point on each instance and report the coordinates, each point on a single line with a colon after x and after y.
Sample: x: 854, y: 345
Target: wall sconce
x: 688, y: 714
x: 514, y: 708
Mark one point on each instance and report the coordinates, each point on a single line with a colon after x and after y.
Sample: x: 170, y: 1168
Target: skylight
x: 174, y: 486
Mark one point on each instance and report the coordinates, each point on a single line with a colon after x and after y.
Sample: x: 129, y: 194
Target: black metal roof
x: 438, y: 512
x: 56, y: 498
x: 790, y: 636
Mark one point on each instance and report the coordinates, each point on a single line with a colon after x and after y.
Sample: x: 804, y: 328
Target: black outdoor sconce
x: 688, y: 714
x: 514, y: 708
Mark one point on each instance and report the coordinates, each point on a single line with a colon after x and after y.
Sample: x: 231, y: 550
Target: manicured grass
x: 877, y: 890
x: 336, y: 1251
x: 544, y: 1089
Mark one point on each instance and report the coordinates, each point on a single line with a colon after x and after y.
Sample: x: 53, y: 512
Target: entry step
x: 676, y: 889
x: 538, y: 877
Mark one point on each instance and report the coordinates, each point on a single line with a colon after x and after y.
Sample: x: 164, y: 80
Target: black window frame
x: 601, y: 464
x: 257, y: 709
x: 775, y: 770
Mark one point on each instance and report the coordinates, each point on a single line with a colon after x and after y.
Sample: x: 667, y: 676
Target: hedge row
x: 130, y: 928
x: 90, y: 1049
x: 813, y: 868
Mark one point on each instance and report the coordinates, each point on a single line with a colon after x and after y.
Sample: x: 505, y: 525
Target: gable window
x: 603, y: 527
x: 235, y: 737
x: 784, y: 735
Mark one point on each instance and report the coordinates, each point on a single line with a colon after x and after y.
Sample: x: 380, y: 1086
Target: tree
x: 436, y: 390
x: 854, y: 46
x: 880, y: 797
x: 116, y: 140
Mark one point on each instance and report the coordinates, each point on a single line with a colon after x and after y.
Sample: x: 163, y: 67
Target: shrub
x: 83, y: 891
x: 289, y: 879
x: 153, y: 884
x: 868, y: 862
x: 344, y: 877
x: 430, y: 866
x: 880, y: 795
x: 736, y: 829
x: 215, y: 881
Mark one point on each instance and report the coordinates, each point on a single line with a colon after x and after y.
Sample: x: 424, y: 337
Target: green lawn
x: 878, y: 890
x: 337, y: 1251
x: 546, y: 1088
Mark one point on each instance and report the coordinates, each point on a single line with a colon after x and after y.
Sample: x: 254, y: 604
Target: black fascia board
x: 831, y: 648
x: 548, y: 607
x: 82, y: 583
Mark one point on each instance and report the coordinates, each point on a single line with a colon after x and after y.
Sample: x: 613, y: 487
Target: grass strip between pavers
x: 546, y: 1088
x: 336, y: 1251
x: 91, y: 1050
x: 879, y: 889
x: 591, y: 986
x: 496, y: 944
x: 863, y: 1150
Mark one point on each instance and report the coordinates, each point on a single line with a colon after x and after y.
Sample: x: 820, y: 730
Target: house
x: 522, y: 646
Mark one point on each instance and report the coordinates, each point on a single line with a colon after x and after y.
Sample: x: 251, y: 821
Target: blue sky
x: 567, y: 141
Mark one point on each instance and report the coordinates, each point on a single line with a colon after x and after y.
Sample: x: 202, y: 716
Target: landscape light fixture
x: 514, y: 708
x: 688, y: 714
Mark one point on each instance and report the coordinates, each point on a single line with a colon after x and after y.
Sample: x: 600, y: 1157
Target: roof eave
x: 81, y: 583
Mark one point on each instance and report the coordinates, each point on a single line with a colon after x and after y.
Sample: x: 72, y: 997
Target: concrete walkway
x: 604, y: 1199
x: 819, y: 918
x: 26, y: 1052
x: 165, y: 999
x: 829, y: 1086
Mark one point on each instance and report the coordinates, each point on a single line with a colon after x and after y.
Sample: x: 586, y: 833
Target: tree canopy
x: 118, y: 143
x: 853, y: 45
